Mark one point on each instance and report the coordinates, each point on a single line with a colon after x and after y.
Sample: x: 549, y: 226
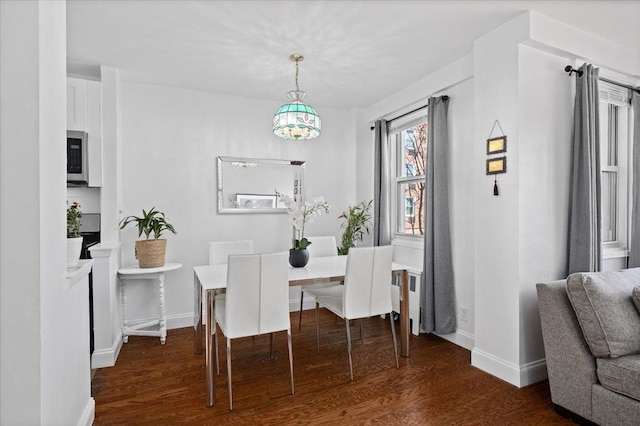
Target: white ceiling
x: 356, y: 52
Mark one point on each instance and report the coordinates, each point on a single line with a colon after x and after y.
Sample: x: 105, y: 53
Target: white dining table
x: 212, y: 279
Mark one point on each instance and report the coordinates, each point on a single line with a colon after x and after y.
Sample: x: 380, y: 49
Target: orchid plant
x: 300, y: 215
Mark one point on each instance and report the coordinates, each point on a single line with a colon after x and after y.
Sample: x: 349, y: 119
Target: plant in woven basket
x: 151, y: 251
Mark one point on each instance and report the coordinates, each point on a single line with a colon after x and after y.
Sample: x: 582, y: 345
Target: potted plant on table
x: 357, y: 223
x: 150, y: 252
x: 300, y: 215
x: 74, y: 239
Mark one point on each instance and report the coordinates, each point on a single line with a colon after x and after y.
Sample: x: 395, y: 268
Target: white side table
x: 134, y: 272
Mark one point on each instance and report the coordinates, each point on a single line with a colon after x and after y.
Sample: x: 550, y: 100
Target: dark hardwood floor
x: 164, y: 385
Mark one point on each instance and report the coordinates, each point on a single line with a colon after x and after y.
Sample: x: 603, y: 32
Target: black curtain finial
x: 570, y: 70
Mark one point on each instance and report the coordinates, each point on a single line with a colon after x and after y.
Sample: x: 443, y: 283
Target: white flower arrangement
x: 300, y: 215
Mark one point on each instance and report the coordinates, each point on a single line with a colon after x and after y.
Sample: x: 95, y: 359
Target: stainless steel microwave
x: 77, y: 158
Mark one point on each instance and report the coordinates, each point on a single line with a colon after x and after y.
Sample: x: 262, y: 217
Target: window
x: 409, y: 144
x: 614, y: 159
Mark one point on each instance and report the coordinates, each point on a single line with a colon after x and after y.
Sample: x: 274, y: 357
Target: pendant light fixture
x: 296, y: 120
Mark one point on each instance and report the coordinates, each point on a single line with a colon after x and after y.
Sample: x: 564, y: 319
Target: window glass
x: 614, y: 131
x: 609, y: 214
x: 410, y: 158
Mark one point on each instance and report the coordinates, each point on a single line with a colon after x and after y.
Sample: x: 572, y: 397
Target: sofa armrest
x: 571, y: 367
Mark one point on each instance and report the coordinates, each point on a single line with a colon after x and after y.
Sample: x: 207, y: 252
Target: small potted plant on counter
x: 74, y: 239
x: 150, y: 252
x: 357, y: 223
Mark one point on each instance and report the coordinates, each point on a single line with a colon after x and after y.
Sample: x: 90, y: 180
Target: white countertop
x: 77, y: 273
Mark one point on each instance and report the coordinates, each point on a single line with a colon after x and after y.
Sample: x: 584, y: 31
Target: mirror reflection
x: 249, y: 185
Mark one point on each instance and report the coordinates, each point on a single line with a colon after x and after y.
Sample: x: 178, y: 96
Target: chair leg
x: 349, y: 348
x: 317, y: 328
x: 361, y: 333
x: 215, y: 343
x: 229, y: 374
x: 395, y: 344
x: 290, y: 359
x: 273, y: 345
x: 300, y: 315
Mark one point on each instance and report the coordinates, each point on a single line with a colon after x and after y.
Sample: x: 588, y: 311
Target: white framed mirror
x: 249, y: 185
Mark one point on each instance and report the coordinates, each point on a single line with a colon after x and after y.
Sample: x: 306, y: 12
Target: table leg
x: 197, y: 315
x: 163, y: 314
x: 123, y: 298
x: 210, y: 322
x: 404, y: 314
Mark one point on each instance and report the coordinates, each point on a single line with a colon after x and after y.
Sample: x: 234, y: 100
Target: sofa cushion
x: 621, y: 375
x: 636, y: 297
x: 605, y: 311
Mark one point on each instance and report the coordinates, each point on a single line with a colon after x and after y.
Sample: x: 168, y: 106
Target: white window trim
x: 612, y: 94
x: 398, y: 238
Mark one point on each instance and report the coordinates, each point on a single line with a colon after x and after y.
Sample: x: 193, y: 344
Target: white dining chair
x: 219, y: 252
x: 256, y: 303
x: 319, y: 247
x: 365, y: 292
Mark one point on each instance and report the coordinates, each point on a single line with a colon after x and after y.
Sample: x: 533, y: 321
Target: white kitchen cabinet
x: 76, y: 104
x: 84, y: 114
x: 94, y: 130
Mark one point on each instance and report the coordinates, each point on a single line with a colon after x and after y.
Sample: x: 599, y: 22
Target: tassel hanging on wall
x: 495, y: 187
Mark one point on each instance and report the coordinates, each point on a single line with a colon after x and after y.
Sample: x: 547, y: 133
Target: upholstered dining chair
x: 256, y: 303
x: 365, y: 292
x: 319, y: 247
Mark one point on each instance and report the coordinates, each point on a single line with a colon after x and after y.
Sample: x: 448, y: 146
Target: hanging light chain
x: 297, y: 59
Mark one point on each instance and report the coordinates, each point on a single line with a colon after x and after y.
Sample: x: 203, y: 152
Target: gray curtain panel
x: 437, y: 292
x: 634, y: 244
x: 381, y: 186
x: 585, y: 239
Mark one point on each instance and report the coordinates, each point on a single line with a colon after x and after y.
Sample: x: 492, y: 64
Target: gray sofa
x: 589, y: 314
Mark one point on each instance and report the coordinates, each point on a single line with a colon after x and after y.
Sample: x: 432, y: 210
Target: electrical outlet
x: 464, y: 314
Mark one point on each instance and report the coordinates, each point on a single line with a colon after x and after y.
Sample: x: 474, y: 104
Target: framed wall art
x: 497, y: 165
x: 497, y: 145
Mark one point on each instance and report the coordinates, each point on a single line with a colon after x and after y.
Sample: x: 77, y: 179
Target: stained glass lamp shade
x: 296, y: 120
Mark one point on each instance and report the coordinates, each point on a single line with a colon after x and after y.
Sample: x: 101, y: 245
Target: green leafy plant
x: 73, y: 220
x: 150, y: 222
x: 357, y: 223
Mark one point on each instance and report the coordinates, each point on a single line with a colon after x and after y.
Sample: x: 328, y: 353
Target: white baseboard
x: 517, y: 375
x: 307, y: 303
x: 88, y: 414
x: 533, y: 372
x: 180, y: 321
x: 460, y: 338
x: 107, y: 357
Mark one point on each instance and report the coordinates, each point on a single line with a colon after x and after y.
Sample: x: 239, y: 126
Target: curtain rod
x: 445, y: 97
x: 570, y: 70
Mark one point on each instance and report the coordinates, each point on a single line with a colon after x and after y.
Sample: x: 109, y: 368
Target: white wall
x: 521, y: 236
x: 496, y: 218
x: 171, y: 139
x: 502, y: 246
x: 455, y: 82
x: 545, y: 110
x: 41, y: 383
